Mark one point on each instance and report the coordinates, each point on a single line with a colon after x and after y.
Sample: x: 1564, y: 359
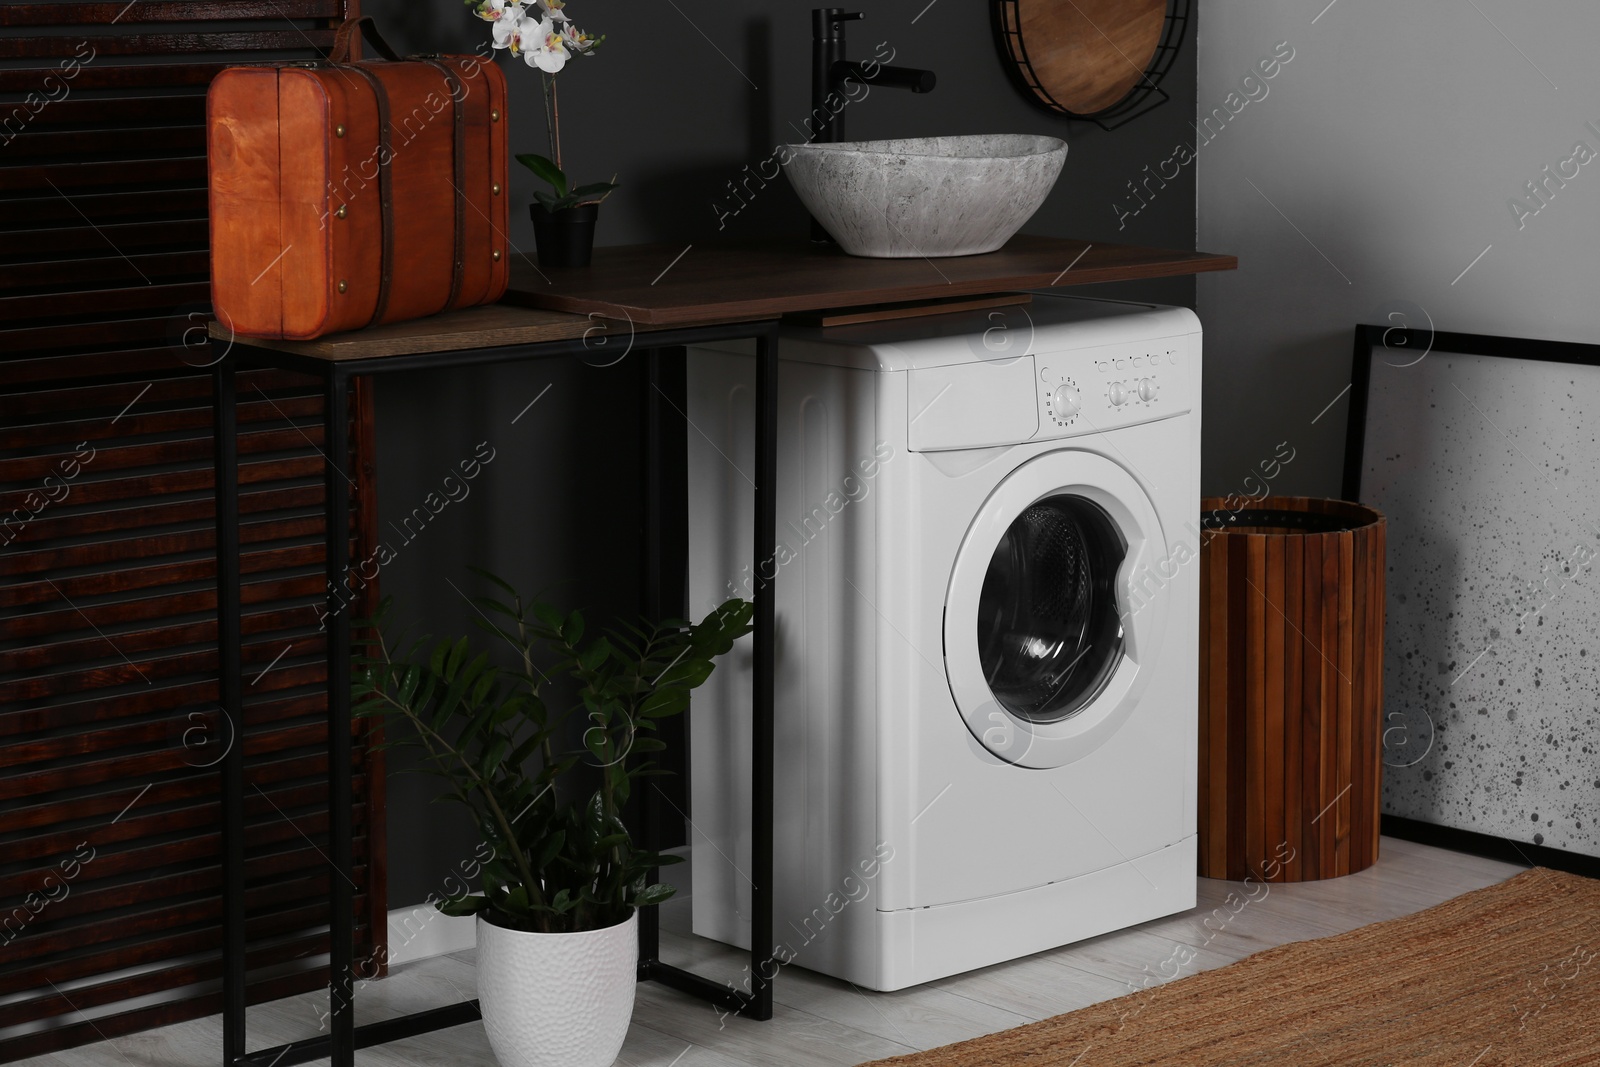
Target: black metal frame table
x: 344, y: 1037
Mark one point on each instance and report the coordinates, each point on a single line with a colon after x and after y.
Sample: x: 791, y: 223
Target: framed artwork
x: 1484, y: 454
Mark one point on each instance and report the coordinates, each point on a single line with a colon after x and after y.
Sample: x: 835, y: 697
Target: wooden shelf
x: 661, y: 285
x: 641, y: 288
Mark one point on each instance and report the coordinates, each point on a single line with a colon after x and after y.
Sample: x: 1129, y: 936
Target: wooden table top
x: 655, y: 287
x: 479, y: 327
x: 752, y: 280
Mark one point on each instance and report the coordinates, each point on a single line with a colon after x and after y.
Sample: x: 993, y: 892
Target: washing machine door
x: 1045, y: 651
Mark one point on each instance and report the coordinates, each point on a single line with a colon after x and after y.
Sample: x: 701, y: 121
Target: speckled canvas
x: 1486, y: 469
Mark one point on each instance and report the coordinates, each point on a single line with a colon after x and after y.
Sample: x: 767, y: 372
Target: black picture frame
x: 1415, y: 343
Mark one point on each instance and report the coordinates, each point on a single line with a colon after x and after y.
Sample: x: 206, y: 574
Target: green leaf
x: 545, y: 170
x: 491, y: 759
x: 654, y: 894
x: 592, y: 657
x: 462, y: 906
x: 408, y: 686
x: 593, y: 193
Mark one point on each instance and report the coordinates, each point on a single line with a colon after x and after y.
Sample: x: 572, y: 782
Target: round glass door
x: 1049, y: 635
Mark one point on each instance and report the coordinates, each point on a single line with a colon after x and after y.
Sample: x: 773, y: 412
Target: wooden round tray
x: 1081, y: 57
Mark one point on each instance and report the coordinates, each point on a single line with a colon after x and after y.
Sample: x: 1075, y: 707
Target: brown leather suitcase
x: 347, y: 194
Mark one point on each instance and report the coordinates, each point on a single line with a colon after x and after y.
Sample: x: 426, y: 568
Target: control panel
x: 1092, y: 389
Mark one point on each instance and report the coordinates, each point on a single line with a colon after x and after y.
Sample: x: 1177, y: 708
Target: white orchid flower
x: 553, y: 10
x: 512, y: 28
x: 575, y: 39
x: 494, y: 10
x: 549, y: 53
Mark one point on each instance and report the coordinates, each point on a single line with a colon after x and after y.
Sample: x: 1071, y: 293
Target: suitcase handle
x: 369, y: 30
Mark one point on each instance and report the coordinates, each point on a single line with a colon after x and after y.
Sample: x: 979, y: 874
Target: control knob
x: 1147, y: 389
x: 1117, y: 393
x: 1066, y: 401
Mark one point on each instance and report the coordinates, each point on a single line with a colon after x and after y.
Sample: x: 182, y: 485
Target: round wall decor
x: 1101, y: 60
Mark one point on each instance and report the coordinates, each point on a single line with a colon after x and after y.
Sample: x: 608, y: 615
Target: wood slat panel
x: 85, y: 998
x: 141, y: 78
x: 120, y: 12
x: 66, y: 433
x: 174, y: 44
x: 106, y: 1027
x: 157, y: 269
x: 48, y: 305
x: 111, y: 399
x: 162, y: 791
x: 187, y: 450
x: 1291, y: 693
x: 132, y: 827
x: 114, y: 112
x: 125, y: 141
x: 107, y: 635
x: 174, y: 760
x: 156, y: 699
x: 167, y: 918
x: 114, y: 175
x: 125, y: 239
x: 142, y: 951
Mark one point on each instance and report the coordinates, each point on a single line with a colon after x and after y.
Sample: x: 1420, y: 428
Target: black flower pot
x: 564, y: 238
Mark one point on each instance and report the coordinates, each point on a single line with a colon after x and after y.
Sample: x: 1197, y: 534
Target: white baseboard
x: 420, y: 932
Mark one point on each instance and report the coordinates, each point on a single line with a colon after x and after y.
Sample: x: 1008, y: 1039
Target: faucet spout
x: 830, y: 71
x: 918, y: 81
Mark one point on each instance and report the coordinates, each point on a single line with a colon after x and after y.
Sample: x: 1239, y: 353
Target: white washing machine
x: 987, y: 613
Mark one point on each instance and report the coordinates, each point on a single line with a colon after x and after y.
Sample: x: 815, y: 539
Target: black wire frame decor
x: 1142, y: 99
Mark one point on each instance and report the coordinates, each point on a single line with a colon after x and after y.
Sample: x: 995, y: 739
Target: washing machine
x: 987, y: 647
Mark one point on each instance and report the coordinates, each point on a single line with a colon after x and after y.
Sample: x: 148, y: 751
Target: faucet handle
x: 827, y: 23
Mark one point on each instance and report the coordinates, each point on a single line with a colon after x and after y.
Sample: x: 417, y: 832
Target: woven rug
x: 1509, y: 974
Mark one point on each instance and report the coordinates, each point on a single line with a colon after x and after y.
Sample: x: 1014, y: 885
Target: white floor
x: 820, y: 1022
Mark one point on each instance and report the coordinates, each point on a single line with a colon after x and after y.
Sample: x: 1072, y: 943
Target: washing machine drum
x: 1049, y: 635
x: 1045, y: 649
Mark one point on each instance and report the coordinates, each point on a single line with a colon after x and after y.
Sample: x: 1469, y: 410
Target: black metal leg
x: 647, y: 807
x: 341, y: 990
x: 225, y: 450
x: 763, y: 698
x: 340, y: 1045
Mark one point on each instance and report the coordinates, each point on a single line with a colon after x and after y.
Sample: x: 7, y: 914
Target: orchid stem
x: 555, y: 122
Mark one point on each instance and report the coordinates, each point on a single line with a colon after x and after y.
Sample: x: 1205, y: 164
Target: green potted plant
x: 557, y: 915
x: 541, y: 33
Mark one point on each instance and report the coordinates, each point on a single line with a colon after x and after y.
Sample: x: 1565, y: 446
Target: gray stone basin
x: 925, y: 196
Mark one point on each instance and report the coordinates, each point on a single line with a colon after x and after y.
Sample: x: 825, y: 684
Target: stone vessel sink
x: 925, y: 196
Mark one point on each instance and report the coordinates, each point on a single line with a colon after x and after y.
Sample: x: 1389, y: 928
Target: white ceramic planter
x: 557, y: 1000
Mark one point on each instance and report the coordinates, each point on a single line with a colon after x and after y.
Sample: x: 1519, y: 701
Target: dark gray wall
x: 676, y: 108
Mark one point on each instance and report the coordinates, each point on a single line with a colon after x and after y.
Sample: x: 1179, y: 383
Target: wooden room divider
x: 109, y: 730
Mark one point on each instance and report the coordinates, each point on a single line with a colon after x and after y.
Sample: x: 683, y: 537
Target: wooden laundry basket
x: 1291, y: 688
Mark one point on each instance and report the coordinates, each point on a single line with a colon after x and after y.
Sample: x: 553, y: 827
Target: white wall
x: 1390, y: 145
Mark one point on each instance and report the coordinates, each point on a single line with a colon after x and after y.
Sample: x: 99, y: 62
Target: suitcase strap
x: 385, y: 192
x: 343, y: 39
x: 458, y: 94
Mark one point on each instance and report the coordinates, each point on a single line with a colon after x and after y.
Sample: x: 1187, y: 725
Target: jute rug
x: 1504, y: 975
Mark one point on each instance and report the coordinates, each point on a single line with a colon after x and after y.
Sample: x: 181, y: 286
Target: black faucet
x: 830, y: 70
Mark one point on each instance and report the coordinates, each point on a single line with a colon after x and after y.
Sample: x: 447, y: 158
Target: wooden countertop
x: 746, y: 281
x: 654, y: 287
x: 479, y: 327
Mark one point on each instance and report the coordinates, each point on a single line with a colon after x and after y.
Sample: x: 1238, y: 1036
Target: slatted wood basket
x: 1291, y: 688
